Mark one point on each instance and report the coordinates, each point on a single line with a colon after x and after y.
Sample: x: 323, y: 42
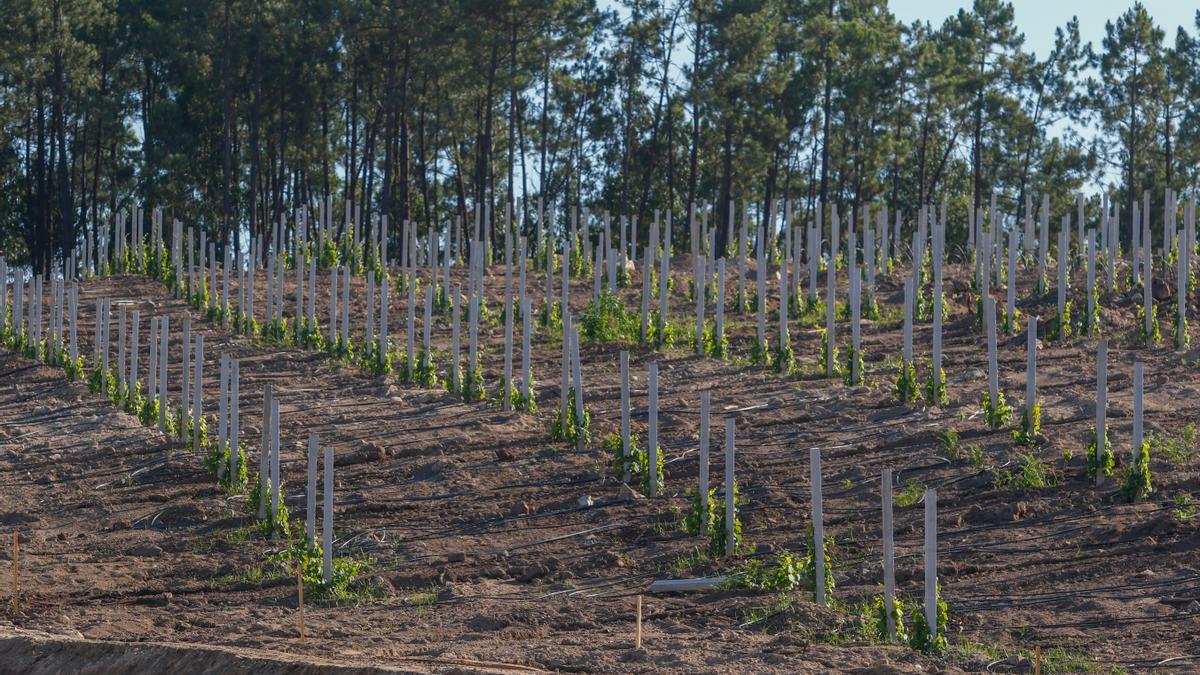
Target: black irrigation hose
x: 982, y: 603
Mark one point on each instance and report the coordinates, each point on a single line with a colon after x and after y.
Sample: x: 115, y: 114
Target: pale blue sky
x: 1037, y: 19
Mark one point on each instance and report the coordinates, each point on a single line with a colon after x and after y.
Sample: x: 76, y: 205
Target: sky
x: 1037, y: 19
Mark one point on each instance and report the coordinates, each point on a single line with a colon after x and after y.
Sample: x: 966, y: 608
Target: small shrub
x: 551, y: 318
x: 1100, y: 462
x: 607, y: 320
x: 701, y: 517
x: 1154, y: 336
x: 949, y: 445
x: 717, y: 533
x: 975, y: 456
x: 1179, y: 450
x: 378, y: 362
x: 566, y: 427
x: 853, y: 371
x: 1031, y: 426
x: 1091, y: 319
x: 786, y: 572
x: 1182, y: 508
x: 996, y: 414
x: 1060, y: 326
x: 425, y: 374
x: 758, y: 352
x: 523, y: 403
x: 473, y: 389
x: 784, y: 361
x: 906, y: 382
x: 1136, y: 484
x: 216, y: 460
x: 73, y: 369
x: 911, y: 493
x: 876, y: 616
x: 716, y: 346
x: 1012, y: 322
x: 280, y: 525
x: 1034, y: 474
x: 663, y: 332
x: 935, y: 389
x: 636, y: 463
x: 823, y: 357
x: 921, y: 639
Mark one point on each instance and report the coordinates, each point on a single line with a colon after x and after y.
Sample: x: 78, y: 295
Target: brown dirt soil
x: 481, y: 556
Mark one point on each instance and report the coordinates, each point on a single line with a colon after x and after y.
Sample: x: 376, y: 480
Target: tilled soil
x: 490, y: 546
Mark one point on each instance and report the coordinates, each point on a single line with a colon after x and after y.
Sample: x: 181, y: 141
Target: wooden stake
x: 121, y: 372
x: 310, y: 493
x: 577, y: 376
x: 989, y: 319
x: 369, y: 336
x: 814, y: 254
x: 830, y: 305
x: 197, y: 406
x: 1091, y: 282
x: 818, y: 517
x: 937, y: 308
x: 455, y: 320
x: 333, y: 299
x: 907, y: 348
x: 646, y: 273
x: 327, y: 520
x: 889, y: 555
x: 1031, y: 365
x: 652, y: 441
x: 730, y: 490
x: 222, y: 400
x: 698, y: 286
x: 1137, y: 412
x: 704, y: 443
x: 300, y: 595
x: 761, y: 281
x: 276, y: 483
x: 346, y: 307
x: 1101, y: 403
x: 638, y: 642
x: 16, y: 579
x: 234, y: 413
x: 1043, y: 241
x: 185, y: 371
x: 526, y: 349
x: 509, y: 318
x: 264, y: 453
x: 931, y: 562
x: 383, y: 320
x: 625, y: 410
x: 664, y: 275
x: 134, y: 348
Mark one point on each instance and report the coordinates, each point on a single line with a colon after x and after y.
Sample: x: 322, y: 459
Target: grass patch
x: 911, y: 493
x: 1183, y: 508
x: 1033, y: 474
x: 1056, y: 659
x: 684, y: 563
x: 423, y: 600
x: 1179, y: 450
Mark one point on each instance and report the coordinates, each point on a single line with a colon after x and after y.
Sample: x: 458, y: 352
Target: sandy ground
x: 482, y: 557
